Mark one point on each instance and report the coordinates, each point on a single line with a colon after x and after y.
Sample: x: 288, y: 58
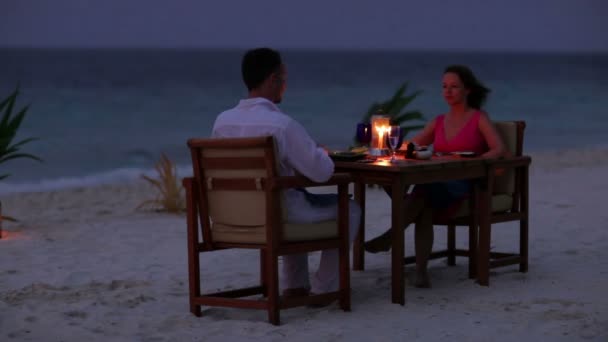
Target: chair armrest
x: 303, y: 182
x: 510, y: 162
x: 501, y: 165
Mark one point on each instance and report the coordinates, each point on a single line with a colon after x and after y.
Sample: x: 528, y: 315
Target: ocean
x: 106, y: 115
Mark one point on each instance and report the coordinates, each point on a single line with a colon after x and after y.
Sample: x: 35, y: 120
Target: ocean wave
x: 122, y: 175
x: 552, y: 159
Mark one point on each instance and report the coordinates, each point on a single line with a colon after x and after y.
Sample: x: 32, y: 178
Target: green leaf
x: 394, y: 107
x: 8, y: 218
x: 412, y: 128
x: 10, y: 102
x: 391, y: 105
x: 19, y: 155
x: 14, y: 124
x: 9, y: 126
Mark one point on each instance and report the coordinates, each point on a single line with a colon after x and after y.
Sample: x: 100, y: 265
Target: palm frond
x: 14, y: 123
x: 8, y: 218
x: 9, y: 102
x: 9, y: 126
x: 19, y: 155
x: 23, y: 142
x: 394, y: 107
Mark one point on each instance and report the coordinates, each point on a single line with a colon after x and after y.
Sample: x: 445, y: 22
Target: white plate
x: 465, y: 154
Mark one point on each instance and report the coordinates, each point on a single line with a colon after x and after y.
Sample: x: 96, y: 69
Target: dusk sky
x: 539, y: 25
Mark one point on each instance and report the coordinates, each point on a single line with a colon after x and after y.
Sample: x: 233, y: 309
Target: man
x: 265, y: 76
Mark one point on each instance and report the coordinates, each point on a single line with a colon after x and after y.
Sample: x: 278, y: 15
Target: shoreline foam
x: 546, y: 160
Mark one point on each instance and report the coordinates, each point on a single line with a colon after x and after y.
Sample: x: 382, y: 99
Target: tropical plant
x: 9, y: 125
x: 394, y: 107
x: 169, y: 198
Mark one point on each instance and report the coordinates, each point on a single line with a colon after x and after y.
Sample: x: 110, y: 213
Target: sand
x: 83, y: 265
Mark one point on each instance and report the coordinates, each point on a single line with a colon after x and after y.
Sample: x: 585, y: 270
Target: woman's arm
x: 427, y: 136
x: 495, y: 144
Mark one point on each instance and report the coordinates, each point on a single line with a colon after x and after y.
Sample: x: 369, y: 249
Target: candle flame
x: 381, y: 130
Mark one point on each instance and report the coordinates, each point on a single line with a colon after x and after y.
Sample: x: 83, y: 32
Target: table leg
x: 483, y: 247
x: 398, y: 249
x: 358, y: 252
x: 474, y: 231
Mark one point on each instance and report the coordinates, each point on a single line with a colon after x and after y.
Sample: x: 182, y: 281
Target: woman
x: 466, y: 127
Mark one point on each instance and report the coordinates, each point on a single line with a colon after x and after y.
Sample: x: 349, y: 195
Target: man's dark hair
x: 478, y: 93
x: 258, y: 64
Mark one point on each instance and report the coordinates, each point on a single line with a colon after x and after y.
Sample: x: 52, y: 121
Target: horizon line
x: 307, y: 48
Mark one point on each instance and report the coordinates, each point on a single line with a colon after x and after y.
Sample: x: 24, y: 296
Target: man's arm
x: 304, y: 155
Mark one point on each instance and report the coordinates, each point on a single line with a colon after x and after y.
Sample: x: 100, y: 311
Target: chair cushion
x: 500, y: 203
x: 507, y: 130
x: 237, y: 208
x: 239, y: 216
x: 257, y: 234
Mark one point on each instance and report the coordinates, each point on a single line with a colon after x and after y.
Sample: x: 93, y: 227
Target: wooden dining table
x: 398, y: 176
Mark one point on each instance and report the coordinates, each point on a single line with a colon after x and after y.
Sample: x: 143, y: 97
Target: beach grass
x: 170, y: 197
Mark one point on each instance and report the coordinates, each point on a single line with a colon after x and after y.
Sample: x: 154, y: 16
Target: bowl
x: 426, y: 154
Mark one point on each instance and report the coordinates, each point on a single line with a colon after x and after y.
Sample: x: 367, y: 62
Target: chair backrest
x: 231, y: 177
x: 512, y: 134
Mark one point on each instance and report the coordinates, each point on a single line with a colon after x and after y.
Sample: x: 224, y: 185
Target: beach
x: 83, y: 265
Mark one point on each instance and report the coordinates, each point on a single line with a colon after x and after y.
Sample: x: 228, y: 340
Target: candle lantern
x: 380, y: 126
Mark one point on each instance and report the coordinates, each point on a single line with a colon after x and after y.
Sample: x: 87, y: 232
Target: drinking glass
x: 393, y: 136
x: 364, y: 133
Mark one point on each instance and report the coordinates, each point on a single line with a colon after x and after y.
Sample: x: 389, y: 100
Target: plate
x: 467, y: 154
x: 346, y: 156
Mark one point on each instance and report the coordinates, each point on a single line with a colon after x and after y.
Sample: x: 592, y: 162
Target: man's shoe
x: 381, y: 243
x: 321, y: 304
x: 422, y: 281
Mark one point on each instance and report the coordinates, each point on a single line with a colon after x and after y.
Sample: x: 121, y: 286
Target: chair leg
x: 194, y: 280
x: 343, y: 249
x: 358, y: 252
x: 194, y: 276
x: 523, y: 224
x: 451, y: 244
x: 473, y: 231
x: 473, y: 249
x: 272, y: 272
x: 484, y: 198
x: 484, y: 238
x: 263, y: 273
x: 523, y: 245
x: 345, y: 291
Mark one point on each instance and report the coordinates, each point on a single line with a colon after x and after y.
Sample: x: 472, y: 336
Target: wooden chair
x: 507, y: 189
x: 236, y: 195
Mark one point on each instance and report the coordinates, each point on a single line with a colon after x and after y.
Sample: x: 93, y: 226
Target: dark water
x: 104, y: 115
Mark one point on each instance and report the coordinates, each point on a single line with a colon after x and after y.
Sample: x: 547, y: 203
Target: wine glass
x: 393, y: 135
x: 364, y: 133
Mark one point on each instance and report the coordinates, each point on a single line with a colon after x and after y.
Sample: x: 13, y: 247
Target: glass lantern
x: 380, y: 125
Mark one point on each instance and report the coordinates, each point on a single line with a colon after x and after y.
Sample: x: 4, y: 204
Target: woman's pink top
x: 469, y: 138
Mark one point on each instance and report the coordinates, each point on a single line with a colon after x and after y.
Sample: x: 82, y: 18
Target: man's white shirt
x: 297, y: 151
